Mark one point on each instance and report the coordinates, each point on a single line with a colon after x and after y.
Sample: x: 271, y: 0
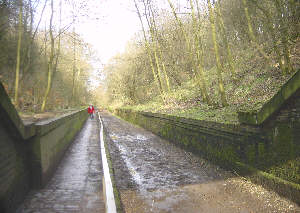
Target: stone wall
x: 50, y: 143
x: 14, y: 169
x: 30, y: 153
x: 283, y: 141
x: 269, y: 154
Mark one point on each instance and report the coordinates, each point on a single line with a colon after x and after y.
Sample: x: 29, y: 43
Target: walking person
x: 91, y: 111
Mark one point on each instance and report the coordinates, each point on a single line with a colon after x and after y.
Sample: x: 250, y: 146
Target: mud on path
x: 153, y: 175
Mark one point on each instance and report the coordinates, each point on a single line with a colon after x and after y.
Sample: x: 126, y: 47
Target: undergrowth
x: 255, y: 84
x: 251, y: 90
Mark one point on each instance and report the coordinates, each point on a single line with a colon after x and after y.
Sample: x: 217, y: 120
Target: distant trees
x: 211, y: 43
x: 35, y: 64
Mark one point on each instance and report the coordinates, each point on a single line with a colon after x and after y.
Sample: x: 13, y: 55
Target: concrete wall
x: 269, y: 154
x: 30, y: 153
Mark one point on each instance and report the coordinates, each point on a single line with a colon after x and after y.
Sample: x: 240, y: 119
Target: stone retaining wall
x: 265, y: 145
x: 30, y: 153
x: 269, y: 154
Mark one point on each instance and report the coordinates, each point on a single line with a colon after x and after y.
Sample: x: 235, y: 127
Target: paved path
x: 77, y: 184
x: 153, y: 175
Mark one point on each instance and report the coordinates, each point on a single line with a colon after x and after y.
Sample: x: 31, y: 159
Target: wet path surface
x: 77, y: 183
x: 153, y: 175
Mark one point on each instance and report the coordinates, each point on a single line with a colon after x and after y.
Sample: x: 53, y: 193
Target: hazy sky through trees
x: 106, y: 24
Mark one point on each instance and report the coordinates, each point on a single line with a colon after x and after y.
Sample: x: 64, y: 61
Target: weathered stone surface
x: 286, y: 92
x: 270, y: 153
x: 30, y: 153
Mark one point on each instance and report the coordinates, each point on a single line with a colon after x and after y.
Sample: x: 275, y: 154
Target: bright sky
x: 111, y: 32
x: 109, y: 26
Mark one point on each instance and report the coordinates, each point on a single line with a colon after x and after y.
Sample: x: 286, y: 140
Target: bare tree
x: 148, y: 49
x: 216, y: 49
x: 50, y: 62
x: 20, y: 29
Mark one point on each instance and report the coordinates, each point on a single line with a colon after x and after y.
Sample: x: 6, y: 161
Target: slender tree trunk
x: 155, y: 34
x: 251, y: 33
x: 50, y: 62
x: 18, y: 54
x: 74, y: 64
x: 271, y: 30
x: 225, y: 41
x: 149, y: 51
x: 57, y: 55
x: 200, y: 74
x: 186, y: 38
x: 154, y: 47
x: 32, y: 37
x: 284, y: 38
x: 216, y: 49
x: 180, y: 25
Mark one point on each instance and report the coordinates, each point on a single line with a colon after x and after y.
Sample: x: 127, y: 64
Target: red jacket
x: 91, y: 110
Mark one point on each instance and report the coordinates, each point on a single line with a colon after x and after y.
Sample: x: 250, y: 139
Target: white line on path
x: 108, y: 189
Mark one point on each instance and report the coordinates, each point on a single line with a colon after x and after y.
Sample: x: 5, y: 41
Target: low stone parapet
x: 50, y: 143
x: 30, y: 153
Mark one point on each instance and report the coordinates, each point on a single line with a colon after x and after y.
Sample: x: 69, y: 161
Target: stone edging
x: 116, y: 194
x: 110, y: 204
x: 272, y: 106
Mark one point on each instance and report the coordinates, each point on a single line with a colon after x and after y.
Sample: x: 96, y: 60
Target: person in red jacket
x: 91, y: 111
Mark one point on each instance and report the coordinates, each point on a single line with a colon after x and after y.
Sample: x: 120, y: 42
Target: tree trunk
x: 155, y: 34
x: 180, y: 24
x: 200, y: 74
x: 251, y: 33
x: 58, y: 46
x: 284, y: 38
x: 225, y: 41
x: 50, y: 62
x: 216, y: 49
x: 74, y: 64
x: 18, y: 54
x: 149, y: 51
x: 271, y: 30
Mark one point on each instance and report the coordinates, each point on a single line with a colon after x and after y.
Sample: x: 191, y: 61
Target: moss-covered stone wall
x: 270, y: 154
x: 283, y: 136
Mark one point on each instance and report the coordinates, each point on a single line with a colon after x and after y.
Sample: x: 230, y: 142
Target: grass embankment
x: 252, y: 89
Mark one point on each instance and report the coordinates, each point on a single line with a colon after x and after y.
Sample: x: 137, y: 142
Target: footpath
x: 153, y: 175
x: 77, y: 183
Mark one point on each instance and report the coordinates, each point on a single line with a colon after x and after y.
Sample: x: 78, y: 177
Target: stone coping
x: 6, y: 104
x: 202, y: 124
x: 272, y: 106
x: 29, y: 129
x: 45, y: 126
